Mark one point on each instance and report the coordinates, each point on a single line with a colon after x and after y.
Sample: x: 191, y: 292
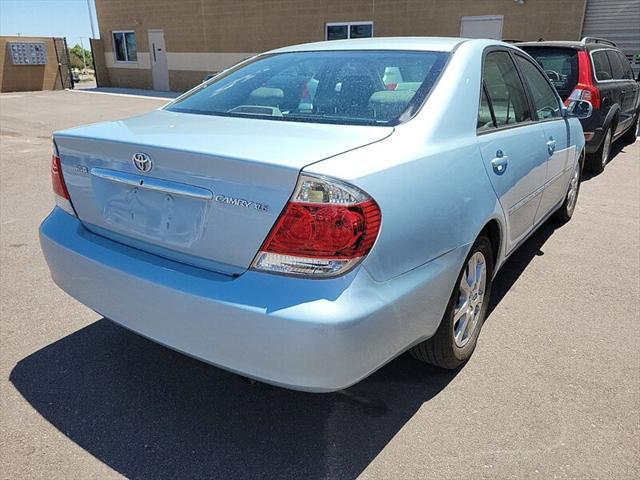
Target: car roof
x: 552, y: 43
x: 568, y: 44
x: 433, y: 44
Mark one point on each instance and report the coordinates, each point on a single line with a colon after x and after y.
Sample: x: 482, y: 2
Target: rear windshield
x: 560, y: 65
x: 342, y: 87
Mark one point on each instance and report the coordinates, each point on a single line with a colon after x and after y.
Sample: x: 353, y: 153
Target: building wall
x: 15, y: 78
x: 217, y: 33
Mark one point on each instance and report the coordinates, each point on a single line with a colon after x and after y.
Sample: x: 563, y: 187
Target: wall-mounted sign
x: 27, y: 53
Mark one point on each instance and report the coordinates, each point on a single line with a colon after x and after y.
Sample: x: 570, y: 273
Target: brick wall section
x: 259, y: 25
x: 21, y: 78
x: 130, y: 78
x: 102, y: 72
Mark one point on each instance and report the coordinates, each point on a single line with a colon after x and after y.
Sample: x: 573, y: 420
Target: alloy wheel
x: 470, y: 300
x: 606, y: 148
x: 572, y: 194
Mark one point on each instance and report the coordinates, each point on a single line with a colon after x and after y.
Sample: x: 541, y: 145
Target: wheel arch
x: 611, y: 120
x: 494, y: 230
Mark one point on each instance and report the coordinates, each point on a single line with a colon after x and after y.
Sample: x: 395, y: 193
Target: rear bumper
x: 314, y: 335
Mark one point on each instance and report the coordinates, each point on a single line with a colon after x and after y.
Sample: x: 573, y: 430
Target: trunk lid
x: 215, y: 187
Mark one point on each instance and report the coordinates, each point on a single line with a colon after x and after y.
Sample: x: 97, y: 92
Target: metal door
x: 64, y: 70
x: 159, y: 65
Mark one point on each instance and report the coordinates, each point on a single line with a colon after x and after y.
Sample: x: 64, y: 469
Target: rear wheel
x: 565, y: 212
x: 457, y: 335
x: 599, y: 159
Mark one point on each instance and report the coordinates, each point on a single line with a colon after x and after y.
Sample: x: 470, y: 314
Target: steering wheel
x: 552, y: 74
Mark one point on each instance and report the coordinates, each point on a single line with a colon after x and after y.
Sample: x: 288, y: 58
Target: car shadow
x: 151, y: 413
x: 617, y: 147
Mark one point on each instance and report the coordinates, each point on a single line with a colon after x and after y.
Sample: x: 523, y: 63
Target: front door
x: 159, y: 65
x: 512, y: 145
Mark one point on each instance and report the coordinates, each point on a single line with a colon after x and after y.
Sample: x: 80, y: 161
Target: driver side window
x: 545, y: 101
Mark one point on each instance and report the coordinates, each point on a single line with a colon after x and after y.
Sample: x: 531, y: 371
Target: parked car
x: 595, y: 70
x: 306, y: 237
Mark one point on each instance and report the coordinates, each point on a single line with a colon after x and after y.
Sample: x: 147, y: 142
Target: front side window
x: 601, y: 66
x: 124, y: 46
x: 343, y: 31
x: 544, y: 98
x: 342, y: 87
x: 506, y: 95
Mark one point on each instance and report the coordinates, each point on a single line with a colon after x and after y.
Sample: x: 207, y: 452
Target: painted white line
x: 149, y: 97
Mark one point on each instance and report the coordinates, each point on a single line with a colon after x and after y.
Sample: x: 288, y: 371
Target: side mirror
x: 579, y: 109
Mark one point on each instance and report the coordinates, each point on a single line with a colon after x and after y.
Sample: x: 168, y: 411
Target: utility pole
x: 84, y: 62
x: 93, y: 32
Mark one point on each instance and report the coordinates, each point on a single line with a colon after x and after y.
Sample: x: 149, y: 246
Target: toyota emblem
x: 142, y: 161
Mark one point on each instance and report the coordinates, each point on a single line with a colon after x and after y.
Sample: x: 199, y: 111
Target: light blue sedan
x: 311, y: 213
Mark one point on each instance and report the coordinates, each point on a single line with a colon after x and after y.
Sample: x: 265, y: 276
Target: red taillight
x: 324, y: 230
x: 59, y: 187
x: 585, y: 89
x: 61, y: 194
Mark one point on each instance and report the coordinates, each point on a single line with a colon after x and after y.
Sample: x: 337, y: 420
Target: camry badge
x: 142, y: 161
x: 241, y: 202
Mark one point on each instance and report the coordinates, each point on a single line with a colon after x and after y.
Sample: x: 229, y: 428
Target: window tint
x: 506, y: 93
x: 342, y: 31
x: 626, y: 66
x: 337, y: 32
x: 485, y: 120
x: 124, y: 46
x: 617, y: 69
x: 361, y: 31
x: 544, y: 98
x: 560, y: 65
x: 341, y: 87
x: 601, y: 66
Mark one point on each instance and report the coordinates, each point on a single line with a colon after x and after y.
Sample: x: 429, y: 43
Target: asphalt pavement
x: 552, y: 391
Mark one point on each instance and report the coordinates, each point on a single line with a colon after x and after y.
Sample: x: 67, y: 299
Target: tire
x: 565, y: 212
x: 630, y: 135
x: 451, y: 347
x: 599, y: 159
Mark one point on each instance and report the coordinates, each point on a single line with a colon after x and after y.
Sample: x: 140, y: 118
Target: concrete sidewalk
x: 132, y: 92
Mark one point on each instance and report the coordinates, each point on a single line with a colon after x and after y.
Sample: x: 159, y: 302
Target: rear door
x: 612, y: 91
x: 512, y: 144
x: 633, y: 85
x: 547, y: 110
x: 627, y: 85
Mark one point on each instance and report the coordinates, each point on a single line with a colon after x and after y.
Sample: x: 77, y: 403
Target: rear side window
x: 617, y: 70
x: 485, y: 119
x: 544, y: 98
x: 626, y: 66
x: 601, y: 66
x: 506, y: 94
x: 560, y: 65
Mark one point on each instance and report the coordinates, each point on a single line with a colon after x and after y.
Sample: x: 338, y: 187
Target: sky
x: 48, y: 18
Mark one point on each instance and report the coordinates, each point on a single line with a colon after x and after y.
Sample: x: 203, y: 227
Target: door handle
x: 500, y: 163
x: 154, y: 53
x: 551, y: 146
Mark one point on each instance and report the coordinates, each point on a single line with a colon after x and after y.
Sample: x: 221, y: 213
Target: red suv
x: 595, y: 70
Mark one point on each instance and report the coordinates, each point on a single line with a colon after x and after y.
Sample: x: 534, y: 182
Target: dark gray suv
x: 596, y: 70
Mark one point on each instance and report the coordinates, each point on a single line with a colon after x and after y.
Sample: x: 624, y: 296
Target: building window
x: 341, y: 31
x: 124, y: 46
